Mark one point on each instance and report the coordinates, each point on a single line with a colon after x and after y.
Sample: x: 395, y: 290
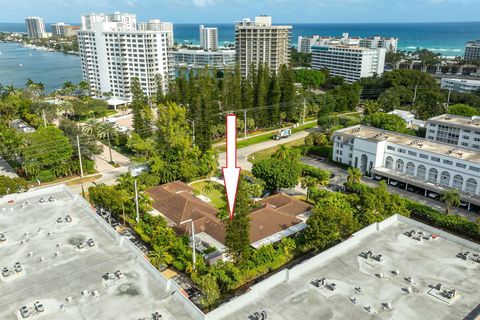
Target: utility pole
x: 79, y: 156
x: 245, y: 124
x: 194, y: 256
x: 304, y: 109
x: 44, y: 118
x: 136, y: 202
x: 415, y: 94
x: 448, y: 98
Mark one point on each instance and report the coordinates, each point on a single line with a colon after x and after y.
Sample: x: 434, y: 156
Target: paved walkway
x: 6, y: 169
x: 341, y: 177
x: 102, y: 160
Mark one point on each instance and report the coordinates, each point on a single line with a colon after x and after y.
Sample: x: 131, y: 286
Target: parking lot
x: 431, y: 200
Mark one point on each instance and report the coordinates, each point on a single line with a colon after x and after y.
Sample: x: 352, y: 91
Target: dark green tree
x: 142, y: 114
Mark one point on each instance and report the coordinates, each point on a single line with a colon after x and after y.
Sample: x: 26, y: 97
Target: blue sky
x: 225, y: 11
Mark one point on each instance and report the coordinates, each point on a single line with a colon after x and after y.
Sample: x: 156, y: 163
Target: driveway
x: 341, y: 177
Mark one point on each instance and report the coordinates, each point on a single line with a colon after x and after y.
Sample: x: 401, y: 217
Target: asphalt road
x: 243, y: 153
x: 341, y: 177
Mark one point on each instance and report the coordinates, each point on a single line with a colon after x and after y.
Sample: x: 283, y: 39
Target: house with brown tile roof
x: 176, y: 202
x: 278, y: 216
x: 286, y: 204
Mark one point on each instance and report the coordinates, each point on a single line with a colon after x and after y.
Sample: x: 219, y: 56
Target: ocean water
x: 52, y: 68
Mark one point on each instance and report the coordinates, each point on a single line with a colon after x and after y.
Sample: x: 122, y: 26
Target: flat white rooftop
x: 375, y: 134
x: 457, y: 121
x: 290, y: 294
x: 55, y: 271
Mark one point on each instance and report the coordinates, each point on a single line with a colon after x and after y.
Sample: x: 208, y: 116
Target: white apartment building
x: 472, y: 51
x: 35, y: 27
x: 454, y: 130
x: 113, y: 51
x: 349, y: 62
x: 62, y: 29
x: 305, y: 43
x: 260, y: 42
x: 389, y: 44
x: 208, y: 38
x: 430, y: 166
x: 157, y: 25
x: 219, y: 59
x: 460, y: 85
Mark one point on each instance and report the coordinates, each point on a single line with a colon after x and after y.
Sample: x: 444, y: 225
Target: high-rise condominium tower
x: 209, y: 38
x: 259, y: 42
x: 113, y: 51
x: 35, y: 27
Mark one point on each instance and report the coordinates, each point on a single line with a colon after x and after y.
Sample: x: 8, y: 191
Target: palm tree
x: 68, y: 87
x: 451, y: 197
x: 308, y: 183
x: 91, y: 127
x: 160, y: 257
x: 10, y: 90
x: 208, y: 187
x: 282, y: 153
x: 107, y: 130
x: 354, y: 175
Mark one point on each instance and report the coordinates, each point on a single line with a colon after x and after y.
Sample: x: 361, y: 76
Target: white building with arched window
x: 425, y: 164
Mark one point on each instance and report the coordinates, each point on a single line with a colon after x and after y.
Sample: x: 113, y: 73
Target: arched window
x: 458, y: 182
x: 471, y: 185
x: 399, y: 165
x: 389, y: 163
x: 445, y: 179
x: 410, y: 169
x: 363, y: 163
x: 432, y: 175
x: 421, y: 172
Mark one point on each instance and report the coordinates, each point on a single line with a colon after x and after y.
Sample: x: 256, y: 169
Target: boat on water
x: 20, y: 65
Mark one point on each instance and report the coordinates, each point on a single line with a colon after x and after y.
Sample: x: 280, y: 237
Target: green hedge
x: 46, y: 176
x: 322, y: 175
x: 319, y: 151
x: 452, y: 222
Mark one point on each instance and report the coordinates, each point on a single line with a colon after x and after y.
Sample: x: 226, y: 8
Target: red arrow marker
x: 231, y: 173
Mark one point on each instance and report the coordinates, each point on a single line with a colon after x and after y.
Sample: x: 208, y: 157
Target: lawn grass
x: 267, y: 153
x: 217, y: 195
x: 264, y: 137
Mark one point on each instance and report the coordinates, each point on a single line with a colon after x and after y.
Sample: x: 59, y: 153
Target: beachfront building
x: 348, y: 62
x: 260, y: 42
x: 460, y: 85
x: 426, y: 165
x: 463, y: 132
x: 157, y: 25
x: 189, y: 58
x: 64, y: 30
x: 208, y: 38
x: 35, y: 28
x: 113, y: 51
x: 305, y: 43
x: 472, y: 51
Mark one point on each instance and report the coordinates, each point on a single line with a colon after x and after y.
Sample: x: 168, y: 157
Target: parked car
x: 39, y: 307
x: 24, y: 312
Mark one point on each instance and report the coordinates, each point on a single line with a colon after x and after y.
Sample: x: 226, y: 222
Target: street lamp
x: 136, y: 171
x: 194, y: 257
